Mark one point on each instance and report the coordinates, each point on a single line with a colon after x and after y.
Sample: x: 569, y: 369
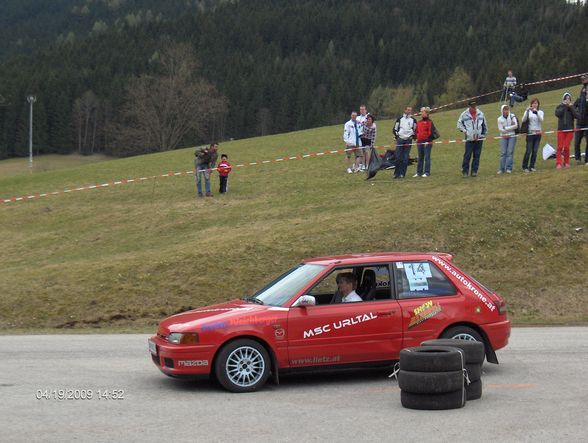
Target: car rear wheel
x: 462, y: 333
x: 242, y: 366
x: 465, y: 333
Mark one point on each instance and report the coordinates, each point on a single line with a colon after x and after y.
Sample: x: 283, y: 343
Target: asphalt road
x: 538, y: 393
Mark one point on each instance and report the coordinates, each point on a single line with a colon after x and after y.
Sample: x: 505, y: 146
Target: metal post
x: 31, y: 99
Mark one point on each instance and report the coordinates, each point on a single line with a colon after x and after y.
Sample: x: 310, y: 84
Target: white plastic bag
x: 548, y: 151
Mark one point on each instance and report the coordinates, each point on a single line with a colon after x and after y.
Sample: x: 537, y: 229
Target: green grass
x: 122, y: 258
x: 20, y: 166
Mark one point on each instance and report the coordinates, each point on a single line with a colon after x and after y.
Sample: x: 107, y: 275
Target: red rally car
x: 301, y: 320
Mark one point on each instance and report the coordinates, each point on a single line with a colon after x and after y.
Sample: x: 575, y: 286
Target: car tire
x: 474, y: 371
x: 474, y: 390
x: 466, y: 334
x: 430, y: 382
x: 448, y: 400
x: 431, y: 359
x: 242, y: 365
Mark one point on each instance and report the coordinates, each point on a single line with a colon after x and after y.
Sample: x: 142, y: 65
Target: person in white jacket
x: 352, y: 139
x: 507, y: 125
x: 534, y: 116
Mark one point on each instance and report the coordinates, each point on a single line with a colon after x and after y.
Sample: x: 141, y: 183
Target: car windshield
x: 288, y: 284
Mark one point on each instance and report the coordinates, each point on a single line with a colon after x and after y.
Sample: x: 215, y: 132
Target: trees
x: 458, y: 86
x: 162, y: 108
x: 85, y: 116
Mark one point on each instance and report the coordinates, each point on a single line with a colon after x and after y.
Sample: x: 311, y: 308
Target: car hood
x: 207, y: 315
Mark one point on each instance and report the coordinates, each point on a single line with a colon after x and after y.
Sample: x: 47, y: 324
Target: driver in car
x: 346, y: 283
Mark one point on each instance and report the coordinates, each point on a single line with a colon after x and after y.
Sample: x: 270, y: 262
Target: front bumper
x: 181, y: 360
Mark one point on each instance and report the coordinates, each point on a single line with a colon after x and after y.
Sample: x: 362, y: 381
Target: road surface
x: 538, y: 393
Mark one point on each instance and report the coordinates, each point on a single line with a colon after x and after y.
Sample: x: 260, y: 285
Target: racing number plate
x: 152, y: 347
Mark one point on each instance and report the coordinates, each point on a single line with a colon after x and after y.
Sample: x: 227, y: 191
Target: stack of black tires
x: 474, y: 354
x: 440, y: 374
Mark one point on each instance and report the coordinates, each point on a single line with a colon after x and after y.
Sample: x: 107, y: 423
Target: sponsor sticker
x: 190, y: 363
x: 329, y: 327
x: 424, y: 312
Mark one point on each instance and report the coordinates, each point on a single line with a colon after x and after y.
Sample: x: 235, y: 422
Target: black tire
x: 474, y: 390
x: 430, y: 382
x: 431, y: 359
x: 449, y: 400
x: 474, y: 371
x: 242, y: 366
x: 466, y: 334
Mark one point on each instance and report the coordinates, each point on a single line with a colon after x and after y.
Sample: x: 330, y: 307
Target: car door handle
x: 384, y: 314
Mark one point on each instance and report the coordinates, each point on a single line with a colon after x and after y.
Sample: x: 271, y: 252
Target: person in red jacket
x: 425, y: 134
x: 224, y: 168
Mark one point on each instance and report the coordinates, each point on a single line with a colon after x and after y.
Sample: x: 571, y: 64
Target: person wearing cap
x: 581, y: 105
x: 472, y: 123
x: 507, y: 124
x: 565, y: 113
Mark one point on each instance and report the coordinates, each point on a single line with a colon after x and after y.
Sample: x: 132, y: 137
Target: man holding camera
x: 581, y: 105
x: 205, y: 161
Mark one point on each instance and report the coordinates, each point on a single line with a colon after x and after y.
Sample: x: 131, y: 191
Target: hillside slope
x: 124, y: 257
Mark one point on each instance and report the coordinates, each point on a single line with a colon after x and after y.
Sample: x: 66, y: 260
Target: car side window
x: 416, y: 279
x: 373, y: 283
x: 324, y: 291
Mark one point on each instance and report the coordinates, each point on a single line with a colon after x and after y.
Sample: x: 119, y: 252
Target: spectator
x: 362, y: 116
x: 581, y: 105
x: 518, y: 95
x: 352, y: 139
x: 507, y: 125
x: 404, y: 131
x: 204, y: 162
x: 473, y: 124
x: 533, y: 117
x: 509, y: 84
x: 368, y: 137
x: 224, y: 169
x: 565, y: 113
x: 425, y: 134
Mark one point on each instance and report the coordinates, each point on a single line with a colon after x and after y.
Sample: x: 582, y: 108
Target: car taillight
x: 501, y: 305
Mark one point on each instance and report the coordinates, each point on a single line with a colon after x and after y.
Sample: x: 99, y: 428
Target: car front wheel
x: 242, y: 366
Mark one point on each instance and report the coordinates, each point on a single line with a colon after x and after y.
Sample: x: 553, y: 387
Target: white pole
x: 31, y: 99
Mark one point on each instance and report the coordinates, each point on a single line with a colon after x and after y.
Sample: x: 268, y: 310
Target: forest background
x: 101, y: 70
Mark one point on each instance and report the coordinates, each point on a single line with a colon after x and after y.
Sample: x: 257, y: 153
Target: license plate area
x: 152, y: 347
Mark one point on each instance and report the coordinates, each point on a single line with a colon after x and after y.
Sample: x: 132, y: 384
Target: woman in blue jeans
x: 535, y: 117
x: 507, y: 125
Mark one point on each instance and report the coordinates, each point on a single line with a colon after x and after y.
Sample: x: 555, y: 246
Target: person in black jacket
x: 581, y: 105
x: 565, y: 113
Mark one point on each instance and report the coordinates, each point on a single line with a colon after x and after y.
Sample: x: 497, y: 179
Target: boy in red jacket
x: 224, y: 168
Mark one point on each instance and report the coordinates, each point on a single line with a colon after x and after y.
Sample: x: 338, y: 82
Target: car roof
x: 376, y: 257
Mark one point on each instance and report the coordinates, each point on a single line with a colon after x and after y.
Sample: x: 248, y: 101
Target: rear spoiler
x: 444, y: 255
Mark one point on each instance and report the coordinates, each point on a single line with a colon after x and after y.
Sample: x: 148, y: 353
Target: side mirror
x: 305, y: 300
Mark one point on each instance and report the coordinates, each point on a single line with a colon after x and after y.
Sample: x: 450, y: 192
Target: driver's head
x: 346, y: 282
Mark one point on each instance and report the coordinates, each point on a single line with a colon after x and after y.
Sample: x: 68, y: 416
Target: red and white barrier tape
x: 298, y: 157
x: 540, y: 82
x: 111, y: 184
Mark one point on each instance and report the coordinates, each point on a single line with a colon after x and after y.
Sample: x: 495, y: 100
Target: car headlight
x: 186, y: 338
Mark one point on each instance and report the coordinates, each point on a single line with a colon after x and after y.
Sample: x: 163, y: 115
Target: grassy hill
x: 121, y: 258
